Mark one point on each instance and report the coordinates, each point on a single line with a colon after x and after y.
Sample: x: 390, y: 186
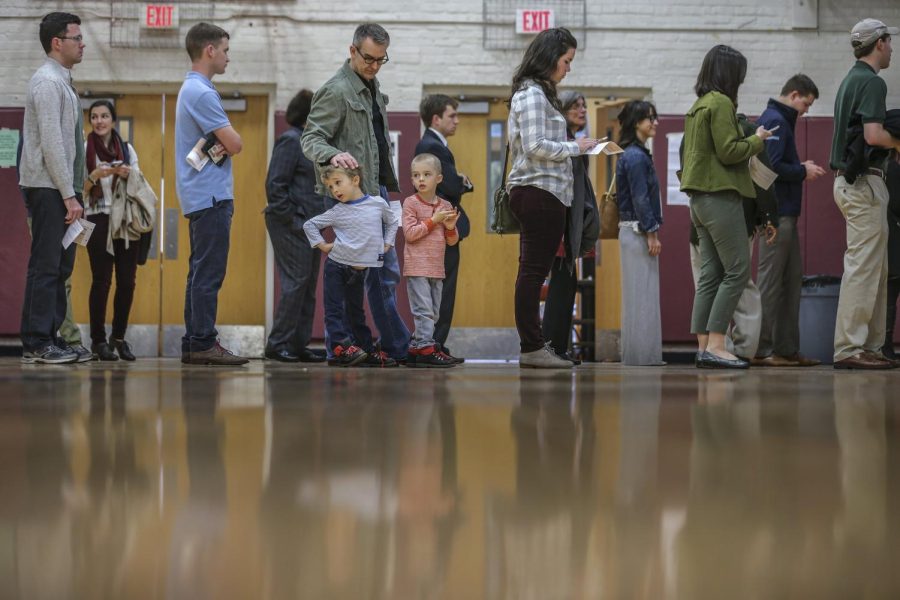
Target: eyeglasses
x: 371, y: 59
x: 77, y: 38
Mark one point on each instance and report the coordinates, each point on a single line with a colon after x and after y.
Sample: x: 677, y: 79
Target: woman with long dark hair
x: 640, y: 217
x: 109, y: 160
x: 540, y: 181
x: 716, y: 176
x: 581, y: 233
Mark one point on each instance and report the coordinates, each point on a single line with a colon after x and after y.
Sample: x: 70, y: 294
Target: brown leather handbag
x: 609, y: 213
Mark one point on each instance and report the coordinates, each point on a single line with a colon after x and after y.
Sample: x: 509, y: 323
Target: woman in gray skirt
x: 640, y: 217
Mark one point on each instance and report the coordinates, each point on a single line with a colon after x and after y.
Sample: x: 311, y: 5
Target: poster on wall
x: 9, y: 144
x: 674, y: 196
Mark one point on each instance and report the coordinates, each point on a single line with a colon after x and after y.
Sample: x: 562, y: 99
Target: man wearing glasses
x: 51, y: 174
x: 347, y: 127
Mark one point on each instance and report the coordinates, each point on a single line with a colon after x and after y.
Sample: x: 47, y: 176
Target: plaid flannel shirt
x: 537, y: 145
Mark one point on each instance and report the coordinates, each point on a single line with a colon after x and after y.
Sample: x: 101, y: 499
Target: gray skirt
x: 641, y: 322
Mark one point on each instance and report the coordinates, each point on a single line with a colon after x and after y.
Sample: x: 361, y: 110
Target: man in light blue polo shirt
x: 206, y: 195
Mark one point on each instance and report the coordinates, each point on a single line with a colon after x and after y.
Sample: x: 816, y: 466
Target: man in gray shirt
x: 51, y: 175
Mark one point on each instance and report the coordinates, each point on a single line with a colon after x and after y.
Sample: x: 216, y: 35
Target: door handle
x: 170, y: 244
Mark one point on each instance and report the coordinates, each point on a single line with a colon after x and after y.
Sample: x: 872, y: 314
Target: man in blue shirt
x: 780, y: 265
x: 206, y: 194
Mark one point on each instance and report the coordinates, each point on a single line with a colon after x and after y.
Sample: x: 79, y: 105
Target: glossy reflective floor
x: 154, y: 480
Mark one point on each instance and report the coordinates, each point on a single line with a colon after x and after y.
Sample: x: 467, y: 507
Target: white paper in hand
x: 606, y: 148
x: 761, y: 175
x: 79, y: 232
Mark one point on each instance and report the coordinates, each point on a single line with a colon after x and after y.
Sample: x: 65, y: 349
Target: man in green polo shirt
x: 859, y: 331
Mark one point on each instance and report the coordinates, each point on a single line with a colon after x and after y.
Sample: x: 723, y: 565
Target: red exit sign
x: 160, y: 16
x: 533, y: 21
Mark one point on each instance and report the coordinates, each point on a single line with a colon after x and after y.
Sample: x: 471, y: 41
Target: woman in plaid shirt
x: 540, y: 182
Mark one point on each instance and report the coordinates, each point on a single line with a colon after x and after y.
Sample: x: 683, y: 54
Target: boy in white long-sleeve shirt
x: 365, y: 228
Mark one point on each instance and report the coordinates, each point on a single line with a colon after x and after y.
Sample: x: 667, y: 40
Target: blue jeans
x: 210, y: 233
x: 381, y: 291
x: 345, y: 317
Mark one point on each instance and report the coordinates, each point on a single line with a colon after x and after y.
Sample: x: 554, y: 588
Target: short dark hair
x: 801, y: 84
x: 55, y: 25
x: 633, y: 113
x: 723, y: 70
x: 435, y: 105
x: 298, y: 108
x: 202, y: 35
x: 107, y: 104
x: 863, y: 51
x: 540, y: 60
x: 373, y: 31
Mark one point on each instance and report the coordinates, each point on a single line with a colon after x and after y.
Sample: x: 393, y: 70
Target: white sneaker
x: 545, y: 358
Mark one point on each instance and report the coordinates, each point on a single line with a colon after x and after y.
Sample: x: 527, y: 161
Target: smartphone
x: 116, y: 163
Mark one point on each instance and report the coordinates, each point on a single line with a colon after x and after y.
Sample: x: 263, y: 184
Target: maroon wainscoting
x: 15, y: 243
x: 407, y: 123
x: 822, y: 231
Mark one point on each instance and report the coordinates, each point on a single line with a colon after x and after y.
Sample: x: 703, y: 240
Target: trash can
x: 818, y: 313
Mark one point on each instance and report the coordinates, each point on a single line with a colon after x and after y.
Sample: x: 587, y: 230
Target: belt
x: 869, y: 171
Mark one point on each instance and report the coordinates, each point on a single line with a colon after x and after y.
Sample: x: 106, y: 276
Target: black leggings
x: 102, y: 263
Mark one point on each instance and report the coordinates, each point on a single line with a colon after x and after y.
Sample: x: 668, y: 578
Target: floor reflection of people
x: 537, y: 540
x: 865, y: 550
x: 636, y: 505
x: 360, y: 496
x: 196, y: 547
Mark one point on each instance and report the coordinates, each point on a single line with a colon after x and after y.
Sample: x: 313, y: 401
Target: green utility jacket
x: 340, y: 120
x: 716, y: 153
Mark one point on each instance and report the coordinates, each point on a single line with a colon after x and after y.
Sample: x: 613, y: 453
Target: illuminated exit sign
x: 533, y: 21
x: 160, y: 16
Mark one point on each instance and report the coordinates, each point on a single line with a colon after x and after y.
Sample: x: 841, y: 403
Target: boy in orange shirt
x: 429, y: 225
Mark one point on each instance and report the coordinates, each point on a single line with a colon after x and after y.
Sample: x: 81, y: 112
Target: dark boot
x: 123, y: 349
x: 104, y: 351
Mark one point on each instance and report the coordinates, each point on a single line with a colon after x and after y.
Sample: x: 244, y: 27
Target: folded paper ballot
x: 606, y: 148
x: 204, y: 150
x: 761, y: 175
x: 79, y: 232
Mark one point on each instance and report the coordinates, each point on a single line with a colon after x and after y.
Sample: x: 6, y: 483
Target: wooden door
x: 159, y: 295
x: 488, y: 262
x: 142, y: 115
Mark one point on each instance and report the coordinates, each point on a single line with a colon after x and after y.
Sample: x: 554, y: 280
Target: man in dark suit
x: 439, y: 115
x: 290, y: 190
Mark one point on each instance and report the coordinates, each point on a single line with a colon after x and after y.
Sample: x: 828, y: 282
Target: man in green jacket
x: 347, y: 127
x: 859, y: 330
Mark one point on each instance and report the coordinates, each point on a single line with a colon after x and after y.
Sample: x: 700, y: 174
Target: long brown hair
x: 540, y: 60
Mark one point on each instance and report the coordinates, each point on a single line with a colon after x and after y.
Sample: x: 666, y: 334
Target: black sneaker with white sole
x: 50, y: 355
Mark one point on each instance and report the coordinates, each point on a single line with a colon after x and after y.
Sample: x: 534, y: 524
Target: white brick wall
x: 655, y: 45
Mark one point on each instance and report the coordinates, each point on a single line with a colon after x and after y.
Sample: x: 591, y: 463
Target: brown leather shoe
x: 216, y: 356
x: 803, y: 361
x: 864, y: 360
x: 774, y: 361
x: 878, y: 356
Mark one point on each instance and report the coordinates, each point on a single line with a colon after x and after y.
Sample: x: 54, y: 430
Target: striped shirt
x: 362, y: 229
x: 423, y: 254
x: 537, y: 145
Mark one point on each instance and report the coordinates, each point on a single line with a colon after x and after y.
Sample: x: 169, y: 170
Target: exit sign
x: 533, y: 21
x: 160, y: 16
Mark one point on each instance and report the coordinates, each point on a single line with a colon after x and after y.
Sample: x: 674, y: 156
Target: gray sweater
x: 53, y: 142
x: 362, y: 229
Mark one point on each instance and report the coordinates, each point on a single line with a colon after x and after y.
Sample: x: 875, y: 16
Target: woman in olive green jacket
x: 716, y: 176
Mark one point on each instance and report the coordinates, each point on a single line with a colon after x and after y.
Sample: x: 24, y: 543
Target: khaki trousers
x: 863, y: 300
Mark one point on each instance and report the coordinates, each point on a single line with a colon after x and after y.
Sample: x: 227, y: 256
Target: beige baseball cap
x: 868, y: 31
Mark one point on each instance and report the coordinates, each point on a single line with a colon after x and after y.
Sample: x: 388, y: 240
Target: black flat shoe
x: 308, y: 355
x: 282, y: 356
x: 123, y: 349
x: 708, y: 360
x: 104, y: 352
